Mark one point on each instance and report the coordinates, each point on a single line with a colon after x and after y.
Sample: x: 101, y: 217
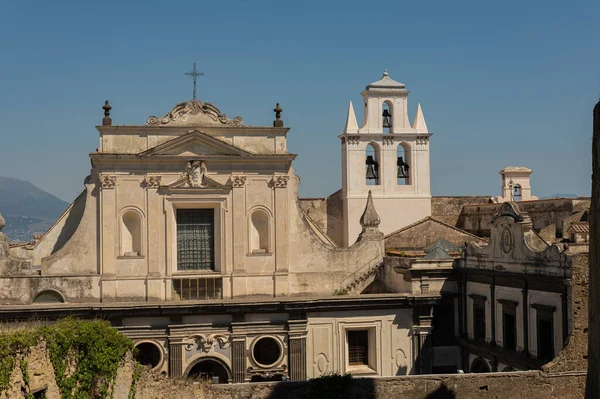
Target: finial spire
x: 351, y: 124
x: 106, y: 121
x: 385, y: 72
x: 278, y: 122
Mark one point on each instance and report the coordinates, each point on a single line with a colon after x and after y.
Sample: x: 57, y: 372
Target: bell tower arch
x: 388, y: 156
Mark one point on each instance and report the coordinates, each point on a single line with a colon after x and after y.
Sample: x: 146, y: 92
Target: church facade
x: 189, y: 237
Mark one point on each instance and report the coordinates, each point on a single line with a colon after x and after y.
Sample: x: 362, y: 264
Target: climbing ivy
x: 94, y: 347
x: 137, y: 373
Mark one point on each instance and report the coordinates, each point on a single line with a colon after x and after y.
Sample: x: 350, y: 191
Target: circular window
x: 148, y: 353
x: 266, y: 351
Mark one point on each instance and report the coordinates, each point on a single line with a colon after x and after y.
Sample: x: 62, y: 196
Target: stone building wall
x: 448, y: 209
x: 476, y: 218
x: 328, y: 213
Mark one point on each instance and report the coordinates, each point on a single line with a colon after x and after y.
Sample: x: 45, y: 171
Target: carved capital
x: 238, y: 181
x: 280, y: 181
x: 152, y: 181
x: 353, y: 140
x: 108, y: 181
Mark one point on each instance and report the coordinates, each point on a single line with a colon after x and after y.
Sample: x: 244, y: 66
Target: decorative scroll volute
x: 195, y: 113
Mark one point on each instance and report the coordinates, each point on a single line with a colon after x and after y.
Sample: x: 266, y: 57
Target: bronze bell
x: 372, y: 168
x: 387, y: 118
x: 402, y: 168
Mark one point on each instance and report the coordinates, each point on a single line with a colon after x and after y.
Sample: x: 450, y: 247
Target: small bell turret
x: 387, y: 118
x: 372, y: 168
x: 402, y: 169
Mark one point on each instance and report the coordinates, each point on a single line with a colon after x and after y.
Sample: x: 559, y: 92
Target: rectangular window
x: 545, y: 339
x: 198, y: 288
x: 358, y: 348
x: 195, y: 239
x: 509, y: 324
x: 545, y: 331
x: 510, y: 331
x: 479, y: 320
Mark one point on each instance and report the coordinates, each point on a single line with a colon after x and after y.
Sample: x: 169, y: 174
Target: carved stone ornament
x: 108, y: 181
x: 194, y: 112
x: 509, y: 209
x: 152, y: 181
x: 238, y: 181
x: 370, y: 218
x: 280, y: 181
x: 205, y: 342
x: 388, y: 140
x: 195, y: 175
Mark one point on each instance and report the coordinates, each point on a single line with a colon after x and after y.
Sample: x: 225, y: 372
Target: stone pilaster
x: 238, y: 359
x: 280, y: 184
x: 422, y: 352
x: 297, y: 350
x: 175, y: 359
x: 239, y: 229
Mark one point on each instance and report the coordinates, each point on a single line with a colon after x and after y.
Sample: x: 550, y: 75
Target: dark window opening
x: 545, y: 339
x: 479, y: 321
x: 358, y: 348
x: 509, y: 324
x: 443, y: 331
x: 148, y: 354
x: 195, y: 239
x: 266, y: 351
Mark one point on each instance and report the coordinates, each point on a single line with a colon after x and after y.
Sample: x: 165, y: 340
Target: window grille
x: 195, y: 239
x: 198, y: 288
x: 479, y: 322
x: 358, y: 348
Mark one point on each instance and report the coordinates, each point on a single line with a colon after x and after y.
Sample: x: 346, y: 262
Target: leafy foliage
x: 93, y: 348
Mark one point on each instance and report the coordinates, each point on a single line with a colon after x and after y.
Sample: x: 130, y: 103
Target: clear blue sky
x: 501, y: 83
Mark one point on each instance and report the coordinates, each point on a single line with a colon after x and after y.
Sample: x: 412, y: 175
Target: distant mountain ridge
x: 27, y: 209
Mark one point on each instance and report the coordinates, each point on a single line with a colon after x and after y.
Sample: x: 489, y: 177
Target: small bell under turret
x: 372, y: 168
x: 387, y: 118
x: 402, y: 169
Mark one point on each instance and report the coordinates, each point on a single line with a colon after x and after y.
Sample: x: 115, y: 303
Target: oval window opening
x: 266, y: 351
x: 148, y: 354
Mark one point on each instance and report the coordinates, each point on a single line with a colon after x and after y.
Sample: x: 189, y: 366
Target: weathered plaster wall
x: 575, y: 354
x: 517, y: 385
x: 448, y: 209
x: 476, y: 218
x: 328, y: 213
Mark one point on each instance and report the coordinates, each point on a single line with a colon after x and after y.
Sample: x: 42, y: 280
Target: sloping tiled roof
x: 443, y: 244
x: 437, y: 253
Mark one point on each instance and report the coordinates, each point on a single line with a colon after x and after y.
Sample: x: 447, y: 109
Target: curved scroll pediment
x: 195, y: 113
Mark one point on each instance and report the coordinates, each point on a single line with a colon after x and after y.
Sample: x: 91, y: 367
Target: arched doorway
x: 479, y: 365
x: 207, y: 369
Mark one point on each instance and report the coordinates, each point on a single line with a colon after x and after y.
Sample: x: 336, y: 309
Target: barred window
x: 195, y: 239
x: 198, y: 288
x: 358, y: 348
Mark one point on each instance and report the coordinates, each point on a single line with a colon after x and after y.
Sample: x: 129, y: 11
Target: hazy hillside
x: 27, y: 209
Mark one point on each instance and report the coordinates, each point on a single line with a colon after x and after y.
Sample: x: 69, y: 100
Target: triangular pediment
x: 194, y: 145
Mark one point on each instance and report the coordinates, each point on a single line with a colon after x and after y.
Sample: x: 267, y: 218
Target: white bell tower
x: 387, y: 156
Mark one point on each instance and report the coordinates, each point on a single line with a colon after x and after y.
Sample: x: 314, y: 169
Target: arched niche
x: 208, y: 367
x: 131, y: 233
x: 49, y: 296
x: 403, y: 164
x: 479, y: 365
x: 259, y: 235
x: 372, y: 164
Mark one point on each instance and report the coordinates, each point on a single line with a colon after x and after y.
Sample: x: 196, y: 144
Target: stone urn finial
x: 370, y: 221
x: 106, y: 121
x: 278, y: 122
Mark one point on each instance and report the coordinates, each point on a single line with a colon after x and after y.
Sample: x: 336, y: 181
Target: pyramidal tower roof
x: 386, y: 83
